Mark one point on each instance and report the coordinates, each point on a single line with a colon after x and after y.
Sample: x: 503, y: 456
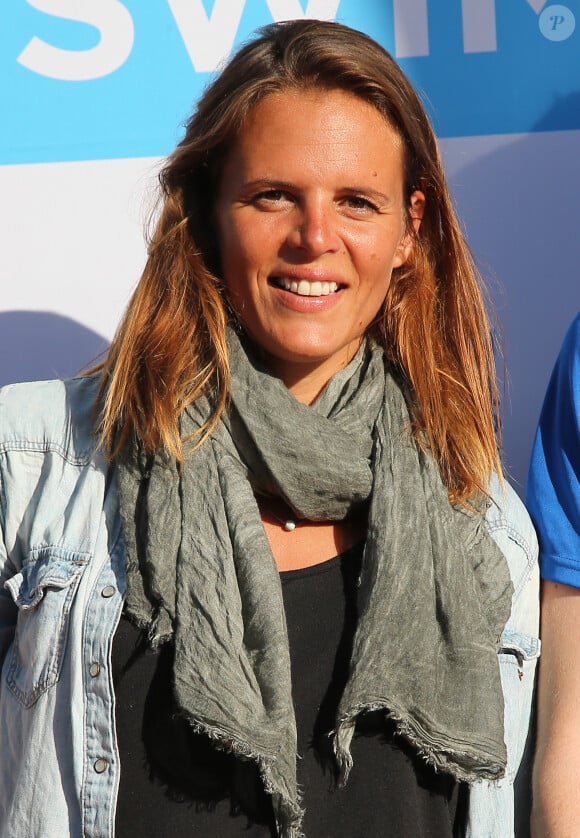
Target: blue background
x: 529, y: 84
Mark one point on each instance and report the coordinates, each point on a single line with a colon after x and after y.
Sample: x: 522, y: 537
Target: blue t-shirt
x: 553, y: 493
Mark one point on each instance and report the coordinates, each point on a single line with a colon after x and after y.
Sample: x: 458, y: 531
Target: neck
x: 307, y: 380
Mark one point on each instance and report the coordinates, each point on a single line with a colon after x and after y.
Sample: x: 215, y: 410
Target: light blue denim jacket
x: 61, y: 592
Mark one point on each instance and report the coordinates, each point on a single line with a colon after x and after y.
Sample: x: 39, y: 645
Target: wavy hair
x: 170, y: 347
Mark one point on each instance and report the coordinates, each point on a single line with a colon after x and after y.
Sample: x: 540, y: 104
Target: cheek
x: 241, y: 248
x: 379, y: 279
x: 236, y: 268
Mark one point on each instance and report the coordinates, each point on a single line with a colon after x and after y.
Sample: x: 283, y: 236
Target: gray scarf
x: 435, y: 589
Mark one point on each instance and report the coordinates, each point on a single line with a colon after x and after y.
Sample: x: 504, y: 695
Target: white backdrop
x: 80, y: 156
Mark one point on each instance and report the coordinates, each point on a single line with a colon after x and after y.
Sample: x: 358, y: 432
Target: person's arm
x: 556, y: 787
x: 554, y: 502
x: 498, y: 807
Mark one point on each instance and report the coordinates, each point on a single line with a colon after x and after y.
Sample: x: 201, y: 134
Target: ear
x: 416, y: 209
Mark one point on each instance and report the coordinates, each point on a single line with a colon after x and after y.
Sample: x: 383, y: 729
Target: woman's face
x: 311, y: 222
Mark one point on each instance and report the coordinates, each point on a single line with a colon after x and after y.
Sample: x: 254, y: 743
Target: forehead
x: 316, y: 130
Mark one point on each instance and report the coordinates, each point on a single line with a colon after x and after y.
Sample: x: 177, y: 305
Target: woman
x: 295, y: 437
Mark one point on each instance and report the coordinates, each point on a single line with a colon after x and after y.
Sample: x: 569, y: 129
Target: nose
x: 315, y: 229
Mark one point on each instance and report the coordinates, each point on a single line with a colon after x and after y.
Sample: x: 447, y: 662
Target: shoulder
x: 54, y: 479
x: 509, y: 524
x: 508, y: 512
x: 49, y: 416
x: 564, y: 386
x: 553, y: 491
x: 567, y: 370
x: 572, y: 339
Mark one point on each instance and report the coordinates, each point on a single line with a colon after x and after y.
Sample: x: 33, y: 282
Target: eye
x: 271, y: 198
x: 359, y: 204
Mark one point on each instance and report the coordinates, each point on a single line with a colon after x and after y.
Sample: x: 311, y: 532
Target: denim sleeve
x: 501, y: 809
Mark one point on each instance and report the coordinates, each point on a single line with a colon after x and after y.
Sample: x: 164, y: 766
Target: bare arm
x: 556, y: 810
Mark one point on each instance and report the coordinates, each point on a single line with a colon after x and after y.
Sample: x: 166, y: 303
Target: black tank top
x: 174, y: 782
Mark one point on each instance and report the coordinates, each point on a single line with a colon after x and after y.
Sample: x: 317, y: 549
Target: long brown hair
x: 171, y: 346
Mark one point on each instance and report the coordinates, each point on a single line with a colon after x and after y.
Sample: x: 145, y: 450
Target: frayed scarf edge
x: 289, y: 823
x: 440, y: 759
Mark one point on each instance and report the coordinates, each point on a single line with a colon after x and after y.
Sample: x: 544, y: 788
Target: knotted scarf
x: 435, y: 591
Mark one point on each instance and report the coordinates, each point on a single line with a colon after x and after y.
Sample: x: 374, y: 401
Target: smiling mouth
x: 304, y: 288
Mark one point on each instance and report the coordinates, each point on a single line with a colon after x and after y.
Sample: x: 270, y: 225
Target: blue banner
x: 98, y: 79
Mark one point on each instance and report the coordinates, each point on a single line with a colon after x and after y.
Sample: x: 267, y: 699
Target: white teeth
x: 309, y: 289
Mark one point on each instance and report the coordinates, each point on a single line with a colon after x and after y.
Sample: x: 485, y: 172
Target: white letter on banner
x: 537, y: 5
x: 479, y: 26
x: 208, y: 40
x: 110, y: 17
x: 479, y: 32
x: 292, y: 10
x: 411, y: 28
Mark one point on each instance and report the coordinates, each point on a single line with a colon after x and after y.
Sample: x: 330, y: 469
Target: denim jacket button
x: 100, y: 765
x: 108, y: 591
x: 94, y: 669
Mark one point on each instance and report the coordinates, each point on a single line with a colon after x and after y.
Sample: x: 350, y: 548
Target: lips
x: 306, y: 288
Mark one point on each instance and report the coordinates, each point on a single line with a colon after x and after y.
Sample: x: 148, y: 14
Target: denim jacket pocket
x: 43, y: 592
x: 518, y: 656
